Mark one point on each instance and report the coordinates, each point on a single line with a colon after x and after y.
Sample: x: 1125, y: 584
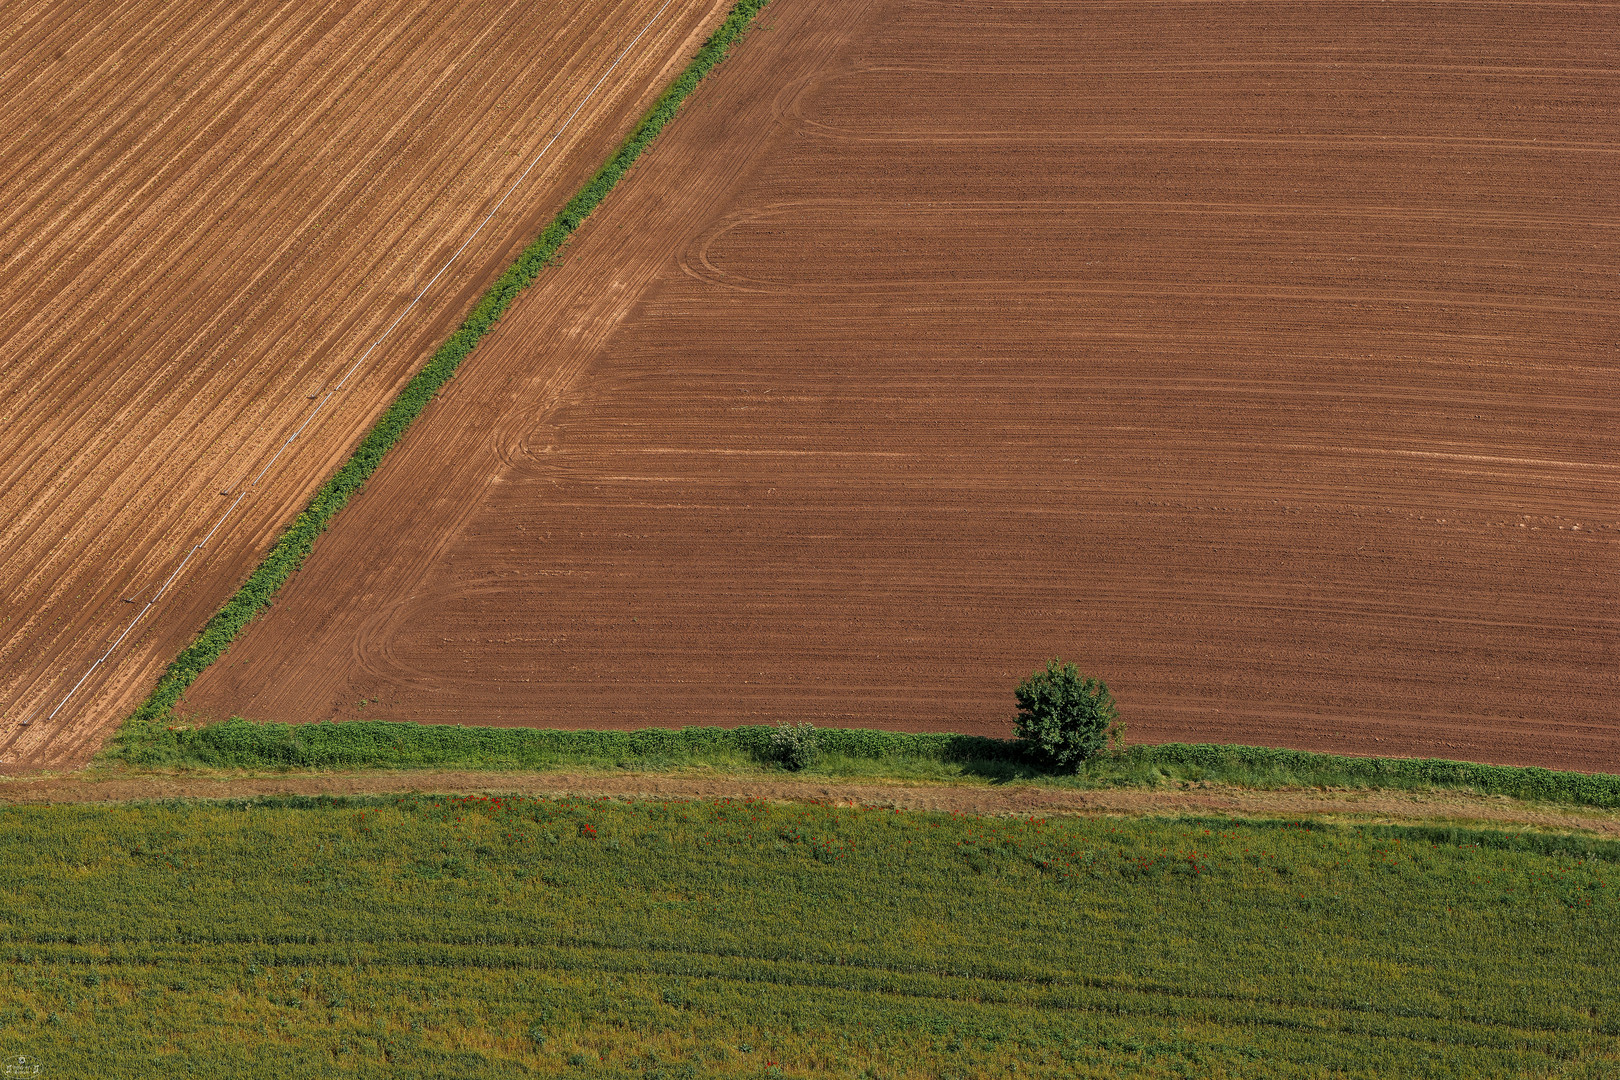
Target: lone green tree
x: 1064, y: 717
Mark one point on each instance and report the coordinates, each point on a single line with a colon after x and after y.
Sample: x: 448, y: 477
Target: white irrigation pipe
x: 356, y: 365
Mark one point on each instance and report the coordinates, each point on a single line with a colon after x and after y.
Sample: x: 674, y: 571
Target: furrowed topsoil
x: 1260, y: 358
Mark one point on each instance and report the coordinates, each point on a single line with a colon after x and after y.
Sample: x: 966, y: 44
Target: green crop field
x: 512, y: 937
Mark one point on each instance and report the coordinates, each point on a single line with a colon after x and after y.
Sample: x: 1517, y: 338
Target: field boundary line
x: 367, y: 745
x: 297, y: 539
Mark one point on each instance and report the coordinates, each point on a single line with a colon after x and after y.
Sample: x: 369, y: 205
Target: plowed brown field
x: 207, y: 212
x: 1262, y: 357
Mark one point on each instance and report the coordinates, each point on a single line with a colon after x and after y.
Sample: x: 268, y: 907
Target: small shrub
x: 795, y: 746
x: 1064, y: 717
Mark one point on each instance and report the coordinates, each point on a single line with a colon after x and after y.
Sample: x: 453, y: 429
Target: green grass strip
x: 846, y: 752
x: 1262, y: 766
x: 297, y: 541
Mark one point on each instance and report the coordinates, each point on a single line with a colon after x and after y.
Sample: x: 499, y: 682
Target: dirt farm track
x: 207, y: 211
x: 1260, y: 356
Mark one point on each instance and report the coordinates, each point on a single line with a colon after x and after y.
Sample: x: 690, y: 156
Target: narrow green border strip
x: 298, y: 540
x: 846, y: 753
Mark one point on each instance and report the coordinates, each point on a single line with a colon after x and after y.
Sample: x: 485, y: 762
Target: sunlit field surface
x: 514, y: 937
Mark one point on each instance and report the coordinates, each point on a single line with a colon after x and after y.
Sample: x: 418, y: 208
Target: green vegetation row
x: 296, y: 542
x: 238, y: 744
x: 514, y: 938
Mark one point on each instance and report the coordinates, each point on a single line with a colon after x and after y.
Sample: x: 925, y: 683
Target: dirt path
x: 1459, y: 808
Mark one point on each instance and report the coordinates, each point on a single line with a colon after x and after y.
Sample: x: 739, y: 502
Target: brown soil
x: 1262, y: 358
x: 207, y: 212
x: 1492, y: 811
